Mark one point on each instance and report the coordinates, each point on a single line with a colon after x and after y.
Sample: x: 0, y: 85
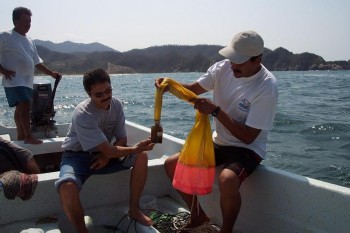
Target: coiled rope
x: 18, y: 184
x: 165, y: 223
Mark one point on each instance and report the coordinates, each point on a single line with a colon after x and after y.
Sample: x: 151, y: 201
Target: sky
x: 316, y: 26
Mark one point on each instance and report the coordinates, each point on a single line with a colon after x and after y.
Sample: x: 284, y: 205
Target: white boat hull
x: 272, y: 200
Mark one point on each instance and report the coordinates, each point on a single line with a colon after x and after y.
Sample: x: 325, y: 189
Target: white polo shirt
x: 18, y: 53
x: 249, y: 100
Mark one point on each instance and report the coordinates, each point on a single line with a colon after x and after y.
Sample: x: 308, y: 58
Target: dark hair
x: 252, y: 59
x: 95, y: 76
x: 18, y: 11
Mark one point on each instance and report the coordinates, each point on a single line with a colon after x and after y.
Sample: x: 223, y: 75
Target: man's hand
x: 100, y: 162
x: 145, y: 145
x: 9, y: 74
x: 56, y: 75
x: 205, y: 106
x: 159, y: 81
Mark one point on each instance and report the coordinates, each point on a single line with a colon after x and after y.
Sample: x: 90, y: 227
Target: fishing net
x: 195, y: 170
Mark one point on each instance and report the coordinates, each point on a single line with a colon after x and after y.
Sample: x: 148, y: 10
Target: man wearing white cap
x: 244, y: 103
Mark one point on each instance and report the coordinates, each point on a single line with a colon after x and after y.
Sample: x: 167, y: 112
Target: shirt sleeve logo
x: 244, y: 105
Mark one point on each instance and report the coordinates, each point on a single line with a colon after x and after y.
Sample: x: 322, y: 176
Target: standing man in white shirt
x: 244, y: 103
x: 18, y: 57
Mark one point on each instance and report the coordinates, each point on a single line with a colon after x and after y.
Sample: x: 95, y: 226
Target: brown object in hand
x: 157, y: 132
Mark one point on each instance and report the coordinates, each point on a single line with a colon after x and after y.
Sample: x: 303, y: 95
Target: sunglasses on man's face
x: 102, y: 93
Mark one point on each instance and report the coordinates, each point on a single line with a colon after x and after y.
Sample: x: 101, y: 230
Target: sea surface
x: 311, y: 133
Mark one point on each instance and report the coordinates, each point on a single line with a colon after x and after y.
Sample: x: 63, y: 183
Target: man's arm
x: 108, y: 151
x: 32, y: 167
x: 121, y: 142
x: 195, y: 88
x: 47, y: 71
x: 120, y: 151
x: 241, y: 131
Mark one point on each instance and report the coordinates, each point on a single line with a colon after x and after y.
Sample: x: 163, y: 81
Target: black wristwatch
x: 216, y: 111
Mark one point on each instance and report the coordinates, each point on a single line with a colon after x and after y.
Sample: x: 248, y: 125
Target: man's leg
x: 230, y: 199
x: 22, y: 116
x: 32, y: 167
x: 20, y: 131
x: 70, y: 200
x: 137, y: 183
x: 198, y: 217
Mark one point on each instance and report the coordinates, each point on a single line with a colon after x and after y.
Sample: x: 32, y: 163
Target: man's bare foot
x: 140, y: 217
x: 32, y: 141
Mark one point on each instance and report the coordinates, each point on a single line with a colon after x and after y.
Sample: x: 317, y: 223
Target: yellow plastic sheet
x: 195, y: 170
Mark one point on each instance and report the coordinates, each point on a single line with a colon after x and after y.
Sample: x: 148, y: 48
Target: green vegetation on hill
x: 176, y: 58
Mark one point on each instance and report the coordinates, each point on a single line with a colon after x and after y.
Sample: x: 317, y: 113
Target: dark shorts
x: 13, y: 157
x: 15, y: 95
x: 75, y: 166
x: 241, y: 161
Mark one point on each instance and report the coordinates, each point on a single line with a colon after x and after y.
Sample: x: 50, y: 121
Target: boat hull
x: 272, y: 200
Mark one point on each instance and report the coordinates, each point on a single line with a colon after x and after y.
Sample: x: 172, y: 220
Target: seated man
x: 96, y: 143
x: 245, y: 97
x: 14, y: 157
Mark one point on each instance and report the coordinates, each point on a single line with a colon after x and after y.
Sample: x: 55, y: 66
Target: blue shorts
x: 15, y: 95
x: 75, y: 166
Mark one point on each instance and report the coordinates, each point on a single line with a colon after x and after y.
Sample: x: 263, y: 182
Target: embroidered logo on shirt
x: 244, y: 105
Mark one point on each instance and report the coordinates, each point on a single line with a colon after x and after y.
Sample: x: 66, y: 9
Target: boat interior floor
x: 167, y: 214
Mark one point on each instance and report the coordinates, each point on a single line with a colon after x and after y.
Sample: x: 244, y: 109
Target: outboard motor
x: 42, y: 107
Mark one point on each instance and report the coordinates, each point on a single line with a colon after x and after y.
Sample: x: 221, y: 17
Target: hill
x: 174, y: 58
x: 71, y: 47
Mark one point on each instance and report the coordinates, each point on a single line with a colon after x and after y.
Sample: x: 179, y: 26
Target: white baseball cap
x: 243, y: 46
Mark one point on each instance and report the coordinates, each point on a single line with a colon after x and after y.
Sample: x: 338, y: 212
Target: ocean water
x: 311, y: 133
